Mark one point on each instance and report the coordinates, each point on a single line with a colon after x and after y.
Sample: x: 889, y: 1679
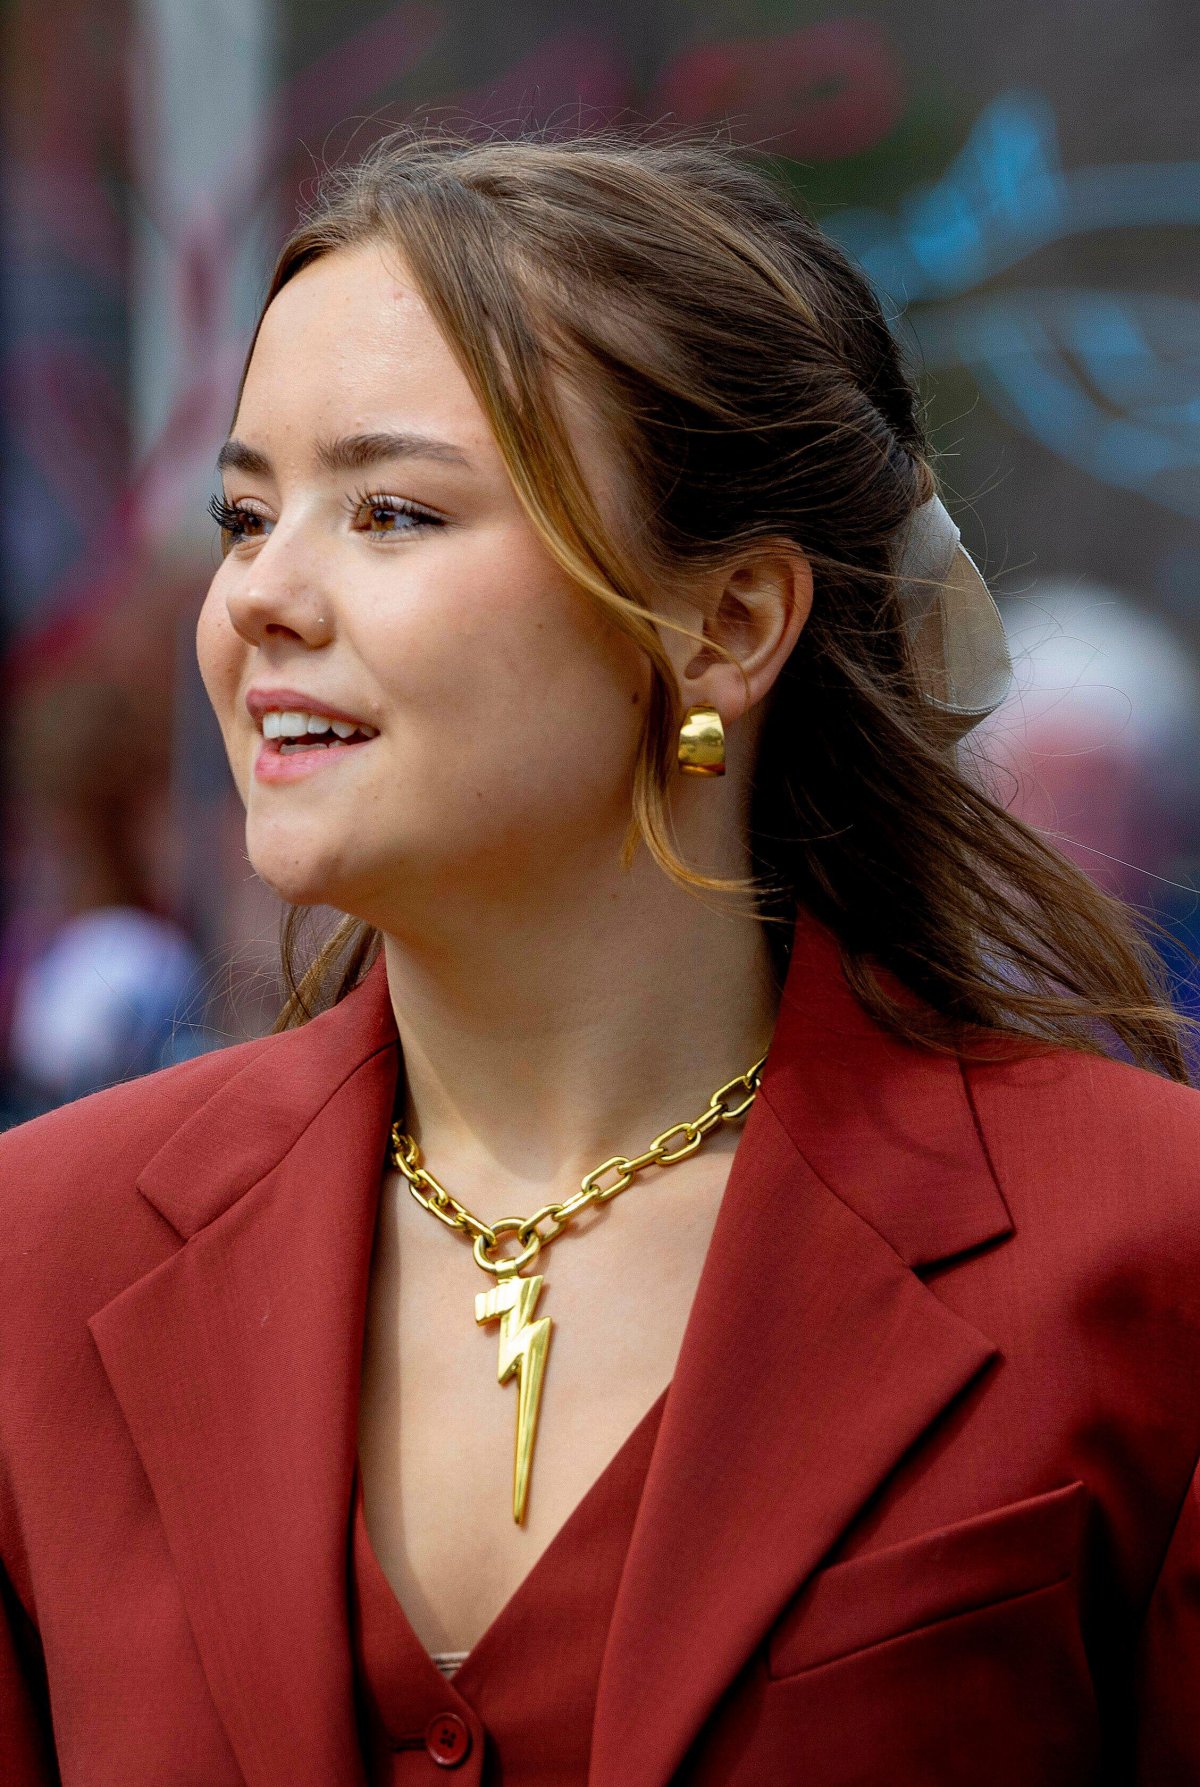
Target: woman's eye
x: 383, y: 515
x: 379, y: 517
x: 236, y: 522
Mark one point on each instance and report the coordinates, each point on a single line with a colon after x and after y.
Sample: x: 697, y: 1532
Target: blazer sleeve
x: 1168, y: 1738
x: 26, y: 1747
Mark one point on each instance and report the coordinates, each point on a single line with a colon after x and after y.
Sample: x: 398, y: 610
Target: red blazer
x: 922, y: 1508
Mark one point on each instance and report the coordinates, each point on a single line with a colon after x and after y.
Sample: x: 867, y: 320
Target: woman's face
x: 379, y: 572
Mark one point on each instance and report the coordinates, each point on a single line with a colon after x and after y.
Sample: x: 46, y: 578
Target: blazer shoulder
x: 1068, y: 1131
x: 1123, y: 1100
x: 68, y: 1166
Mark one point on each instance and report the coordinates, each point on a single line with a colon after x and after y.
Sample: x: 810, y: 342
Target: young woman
x: 588, y: 636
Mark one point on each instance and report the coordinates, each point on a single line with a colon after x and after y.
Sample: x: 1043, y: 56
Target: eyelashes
x: 231, y: 520
x: 224, y: 514
x: 237, y: 523
x: 379, y: 506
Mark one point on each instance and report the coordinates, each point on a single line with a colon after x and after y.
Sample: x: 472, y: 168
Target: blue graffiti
x: 1108, y: 380
x: 1005, y: 195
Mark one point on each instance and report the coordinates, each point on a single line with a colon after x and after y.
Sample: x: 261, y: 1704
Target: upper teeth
x: 295, y: 725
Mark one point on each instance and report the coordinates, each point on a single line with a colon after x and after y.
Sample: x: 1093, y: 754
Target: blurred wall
x: 1022, y: 184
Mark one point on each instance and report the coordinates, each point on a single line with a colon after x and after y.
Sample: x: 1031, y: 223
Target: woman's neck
x: 541, y: 1037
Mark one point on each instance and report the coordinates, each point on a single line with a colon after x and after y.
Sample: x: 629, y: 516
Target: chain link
x: 728, y: 1104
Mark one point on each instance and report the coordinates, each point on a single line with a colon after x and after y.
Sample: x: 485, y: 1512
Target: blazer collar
x: 813, y: 1358
x: 889, y: 1127
x: 256, y: 1116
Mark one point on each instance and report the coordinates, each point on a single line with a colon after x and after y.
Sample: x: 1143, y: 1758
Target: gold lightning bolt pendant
x: 524, y: 1343
x: 523, y: 1347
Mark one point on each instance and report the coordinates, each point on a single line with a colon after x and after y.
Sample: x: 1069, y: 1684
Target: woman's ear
x: 758, y: 612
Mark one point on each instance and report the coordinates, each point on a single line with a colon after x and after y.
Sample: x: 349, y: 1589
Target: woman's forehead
x: 347, y: 349
x: 350, y: 347
x: 349, y: 313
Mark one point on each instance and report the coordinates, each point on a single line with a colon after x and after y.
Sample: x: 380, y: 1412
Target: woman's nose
x: 275, y: 600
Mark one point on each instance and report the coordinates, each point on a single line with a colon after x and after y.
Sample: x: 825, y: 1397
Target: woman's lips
x: 304, y: 757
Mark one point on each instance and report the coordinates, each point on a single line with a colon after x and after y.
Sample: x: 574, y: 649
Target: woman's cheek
x: 217, y: 653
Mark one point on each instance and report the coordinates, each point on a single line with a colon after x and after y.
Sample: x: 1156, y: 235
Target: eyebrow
x: 348, y: 453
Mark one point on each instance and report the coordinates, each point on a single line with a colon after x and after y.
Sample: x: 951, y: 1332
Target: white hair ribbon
x: 954, y: 626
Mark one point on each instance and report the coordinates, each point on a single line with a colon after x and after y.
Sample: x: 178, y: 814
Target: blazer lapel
x: 813, y: 1358
x: 236, y: 1362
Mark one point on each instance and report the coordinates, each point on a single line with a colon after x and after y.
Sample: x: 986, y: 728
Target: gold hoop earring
x: 702, y: 743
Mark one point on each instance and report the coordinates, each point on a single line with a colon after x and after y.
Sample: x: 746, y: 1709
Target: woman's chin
x: 298, y: 877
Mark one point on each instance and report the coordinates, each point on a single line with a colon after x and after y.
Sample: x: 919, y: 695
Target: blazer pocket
x: 975, y: 1563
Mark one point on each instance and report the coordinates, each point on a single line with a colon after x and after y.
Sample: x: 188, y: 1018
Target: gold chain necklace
x: 524, y: 1343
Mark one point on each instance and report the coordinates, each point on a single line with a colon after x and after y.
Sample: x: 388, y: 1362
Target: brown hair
x: 752, y: 393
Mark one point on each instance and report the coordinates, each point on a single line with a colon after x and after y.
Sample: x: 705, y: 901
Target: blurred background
x: 1021, y: 183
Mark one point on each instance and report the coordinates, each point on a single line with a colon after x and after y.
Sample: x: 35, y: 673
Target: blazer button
x: 448, y: 1739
